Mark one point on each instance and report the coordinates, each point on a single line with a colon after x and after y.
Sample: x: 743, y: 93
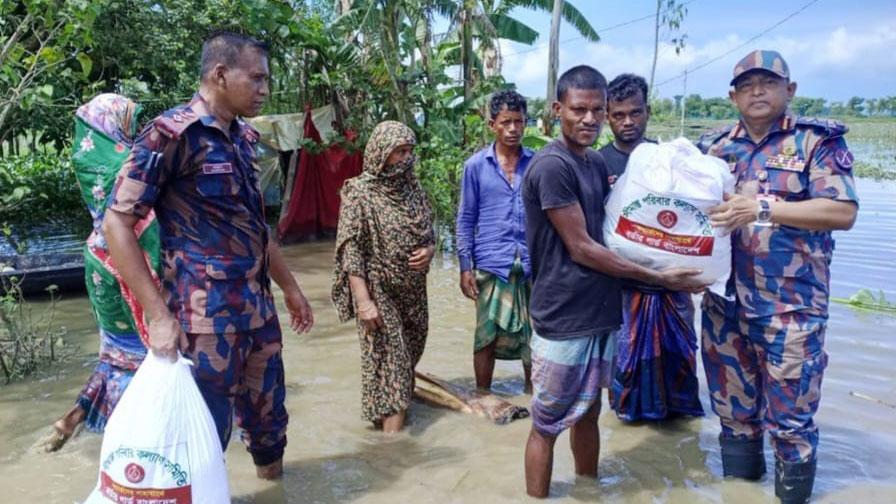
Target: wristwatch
x: 764, y: 216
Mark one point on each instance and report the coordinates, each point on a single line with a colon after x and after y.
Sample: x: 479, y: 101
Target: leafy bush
x: 28, y: 342
x: 39, y: 188
x: 439, y: 169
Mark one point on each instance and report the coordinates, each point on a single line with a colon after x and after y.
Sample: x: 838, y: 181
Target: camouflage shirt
x: 779, y: 269
x: 203, y: 182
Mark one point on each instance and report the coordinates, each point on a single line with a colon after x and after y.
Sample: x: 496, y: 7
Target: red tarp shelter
x: 313, y: 201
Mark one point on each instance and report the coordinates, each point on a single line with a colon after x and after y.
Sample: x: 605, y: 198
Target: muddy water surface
x: 444, y: 456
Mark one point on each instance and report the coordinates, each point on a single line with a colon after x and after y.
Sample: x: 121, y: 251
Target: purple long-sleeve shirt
x: 491, y: 221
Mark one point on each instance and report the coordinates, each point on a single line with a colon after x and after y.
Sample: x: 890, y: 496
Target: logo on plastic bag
x: 134, y: 473
x: 694, y: 236
x: 667, y: 218
x: 147, y: 475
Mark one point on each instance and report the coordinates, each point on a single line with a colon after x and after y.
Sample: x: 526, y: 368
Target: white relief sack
x: 160, y: 445
x: 656, y: 214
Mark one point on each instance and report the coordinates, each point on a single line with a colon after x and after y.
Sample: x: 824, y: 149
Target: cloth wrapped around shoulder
x: 105, y: 128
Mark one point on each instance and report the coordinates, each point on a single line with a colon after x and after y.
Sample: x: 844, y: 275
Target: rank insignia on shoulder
x: 173, y: 125
x: 844, y: 158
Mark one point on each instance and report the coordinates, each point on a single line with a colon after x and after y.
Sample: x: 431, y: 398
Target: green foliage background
x: 370, y: 59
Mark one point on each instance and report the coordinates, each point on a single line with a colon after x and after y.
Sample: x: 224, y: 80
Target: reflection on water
x: 864, y: 256
x: 444, y: 456
x: 65, y: 236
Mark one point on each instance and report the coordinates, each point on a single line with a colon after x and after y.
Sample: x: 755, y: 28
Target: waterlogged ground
x: 872, y: 141
x: 450, y: 457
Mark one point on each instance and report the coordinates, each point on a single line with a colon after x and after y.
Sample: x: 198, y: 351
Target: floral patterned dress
x: 104, y: 131
x: 384, y: 217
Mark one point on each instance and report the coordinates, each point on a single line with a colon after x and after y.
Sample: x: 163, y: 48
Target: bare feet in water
x: 272, y: 471
x: 64, y: 429
x: 394, y: 423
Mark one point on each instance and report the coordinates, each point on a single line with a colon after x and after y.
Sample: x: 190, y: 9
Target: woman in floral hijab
x: 384, y: 245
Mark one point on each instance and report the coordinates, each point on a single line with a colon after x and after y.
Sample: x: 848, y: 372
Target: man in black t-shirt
x: 627, y: 114
x: 575, y: 294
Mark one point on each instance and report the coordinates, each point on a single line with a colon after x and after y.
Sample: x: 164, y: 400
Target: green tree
x: 694, y: 106
x: 669, y: 15
x: 719, y: 108
x: 662, y: 109
x: 808, y: 106
x: 887, y: 105
x: 855, y: 106
x: 43, y: 51
x: 838, y: 109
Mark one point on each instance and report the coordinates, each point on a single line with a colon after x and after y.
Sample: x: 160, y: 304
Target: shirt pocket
x: 790, y: 269
x: 217, y: 174
x: 788, y: 184
x: 217, y: 185
x: 232, y: 284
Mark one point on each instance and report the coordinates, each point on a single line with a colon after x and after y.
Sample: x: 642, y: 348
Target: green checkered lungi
x: 502, y: 314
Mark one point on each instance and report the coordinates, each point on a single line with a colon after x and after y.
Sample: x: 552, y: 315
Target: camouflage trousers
x: 241, y: 375
x: 765, y: 374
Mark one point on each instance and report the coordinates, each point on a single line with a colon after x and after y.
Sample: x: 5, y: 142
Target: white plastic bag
x: 656, y: 214
x: 160, y: 444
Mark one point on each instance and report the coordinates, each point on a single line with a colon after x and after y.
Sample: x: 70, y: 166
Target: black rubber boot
x: 794, y: 480
x: 742, y: 458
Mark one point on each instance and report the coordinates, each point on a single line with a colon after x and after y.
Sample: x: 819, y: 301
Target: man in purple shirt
x: 491, y: 241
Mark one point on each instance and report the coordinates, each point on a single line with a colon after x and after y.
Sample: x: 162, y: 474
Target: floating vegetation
x: 866, y: 300
x: 873, y: 171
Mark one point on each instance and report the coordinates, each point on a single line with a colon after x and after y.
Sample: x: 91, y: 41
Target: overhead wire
x: 599, y: 31
x: 741, y: 46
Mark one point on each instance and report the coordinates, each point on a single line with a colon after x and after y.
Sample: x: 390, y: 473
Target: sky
x: 835, y: 49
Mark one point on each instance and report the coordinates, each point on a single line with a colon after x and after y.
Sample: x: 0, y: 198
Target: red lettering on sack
x: 121, y: 494
x: 659, y: 239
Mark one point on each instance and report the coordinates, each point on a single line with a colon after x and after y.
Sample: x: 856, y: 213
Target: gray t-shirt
x: 568, y: 300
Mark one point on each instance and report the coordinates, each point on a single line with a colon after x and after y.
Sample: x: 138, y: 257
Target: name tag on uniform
x: 216, y: 168
x: 783, y: 162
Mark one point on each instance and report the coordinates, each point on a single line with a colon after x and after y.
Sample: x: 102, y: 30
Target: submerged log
x: 476, y: 402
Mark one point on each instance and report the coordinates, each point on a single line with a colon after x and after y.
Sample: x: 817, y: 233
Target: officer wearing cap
x: 763, y: 347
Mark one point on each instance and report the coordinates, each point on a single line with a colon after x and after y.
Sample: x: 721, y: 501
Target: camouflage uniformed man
x: 764, y: 351
x: 195, y: 165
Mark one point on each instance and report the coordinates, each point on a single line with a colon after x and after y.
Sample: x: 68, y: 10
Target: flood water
x: 445, y: 456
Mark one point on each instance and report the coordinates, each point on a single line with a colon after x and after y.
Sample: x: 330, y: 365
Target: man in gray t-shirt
x: 569, y: 299
x: 575, y: 293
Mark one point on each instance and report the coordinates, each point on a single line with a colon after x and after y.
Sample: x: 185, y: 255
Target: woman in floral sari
x: 104, y: 132
x: 384, y: 245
